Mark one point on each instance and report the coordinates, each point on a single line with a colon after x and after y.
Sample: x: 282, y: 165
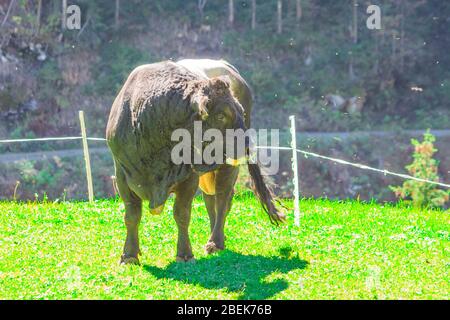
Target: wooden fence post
x: 295, y: 180
x: 86, y: 157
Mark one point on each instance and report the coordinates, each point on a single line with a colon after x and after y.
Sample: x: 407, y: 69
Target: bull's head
x: 220, y: 110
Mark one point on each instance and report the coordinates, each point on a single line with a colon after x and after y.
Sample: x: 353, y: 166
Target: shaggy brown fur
x: 155, y: 100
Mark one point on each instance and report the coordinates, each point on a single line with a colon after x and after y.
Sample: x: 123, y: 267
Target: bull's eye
x: 220, y: 117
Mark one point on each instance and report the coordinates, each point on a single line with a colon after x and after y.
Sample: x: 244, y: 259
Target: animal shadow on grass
x: 233, y: 271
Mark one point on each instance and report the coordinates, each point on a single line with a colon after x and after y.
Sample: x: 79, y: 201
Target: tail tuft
x: 265, y: 195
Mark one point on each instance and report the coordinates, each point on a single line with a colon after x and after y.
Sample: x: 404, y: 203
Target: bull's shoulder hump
x: 213, y: 68
x: 151, y: 67
x: 139, y: 72
x: 155, y: 73
x: 209, y: 66
x: 193, y: 67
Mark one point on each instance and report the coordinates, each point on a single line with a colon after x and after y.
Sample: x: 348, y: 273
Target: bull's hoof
x: 129, y: 260
x: 212, y: 247
x: 186, y: 259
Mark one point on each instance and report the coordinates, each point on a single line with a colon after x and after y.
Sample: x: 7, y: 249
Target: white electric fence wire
x: 359, y: 165
x: 49, y: 139
x: 307, y: 153
x: 96, y: 139
x: 39, y: 139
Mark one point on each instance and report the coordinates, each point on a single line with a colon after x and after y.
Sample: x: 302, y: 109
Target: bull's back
x: 145, y: 98
x: 151, y: 104
x: 120, y: 114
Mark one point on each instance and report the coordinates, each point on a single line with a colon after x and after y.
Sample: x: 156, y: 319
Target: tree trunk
x: 63, y: 14
x: 231, y: 12
x: 402, y: 35
x: 394, y: 47
x: 117, y: 15
x: 201, y: 6
x: 355, y: 22
x: 351, y: 71
x: 298, y: 10
x: 253, y: 14
x: 376, y: 65
x: 354, y: 34
x: 8, y: 12
x: 38, y: 17
x: 279, y: 16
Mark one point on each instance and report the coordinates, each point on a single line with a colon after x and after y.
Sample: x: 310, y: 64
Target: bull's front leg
x: 185, y: 193
x: 225, y: 179
x: 133, y: 213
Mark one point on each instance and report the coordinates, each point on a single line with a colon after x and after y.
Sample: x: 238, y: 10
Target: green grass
x: 343, y: 250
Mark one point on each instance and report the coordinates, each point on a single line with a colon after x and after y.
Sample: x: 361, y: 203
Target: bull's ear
x: 200, y: 101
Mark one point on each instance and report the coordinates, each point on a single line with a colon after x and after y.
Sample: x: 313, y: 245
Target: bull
x: 155, y: 100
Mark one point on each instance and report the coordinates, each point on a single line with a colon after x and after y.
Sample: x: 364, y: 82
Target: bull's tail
x: 265, y: 194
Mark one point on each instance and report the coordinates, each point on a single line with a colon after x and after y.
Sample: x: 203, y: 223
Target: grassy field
x: 343, y: 250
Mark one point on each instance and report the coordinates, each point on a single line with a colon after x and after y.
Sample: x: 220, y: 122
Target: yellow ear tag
x: 236, y: 162
x: 233, y: 162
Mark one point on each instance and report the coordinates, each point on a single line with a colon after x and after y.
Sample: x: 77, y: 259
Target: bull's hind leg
x: 133, y: 213
x: 210, y: 202
x: 184, y: 192
x: 225, y: 179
